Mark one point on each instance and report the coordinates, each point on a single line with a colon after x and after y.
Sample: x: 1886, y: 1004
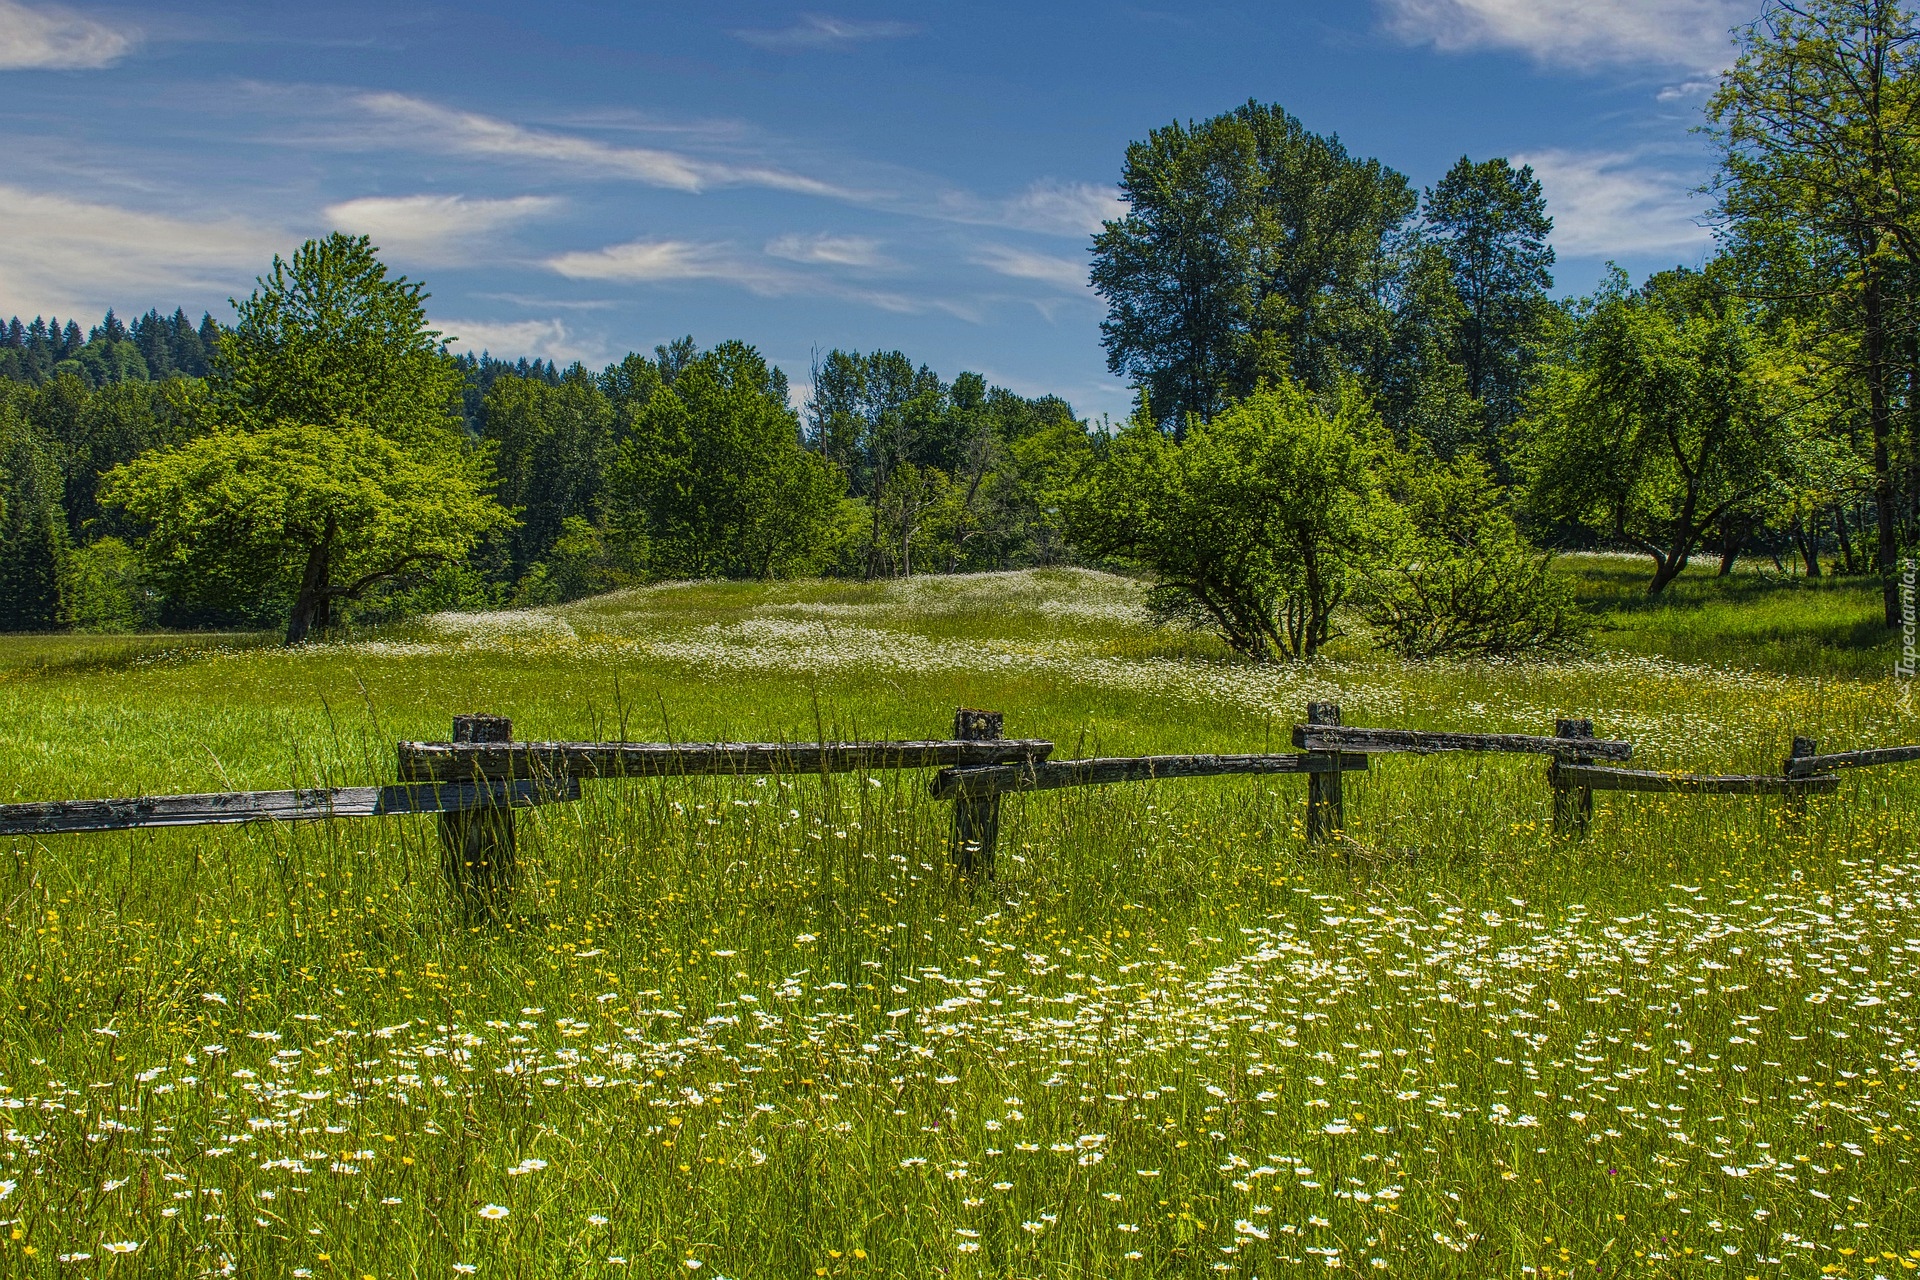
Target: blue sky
x: 577, y: 180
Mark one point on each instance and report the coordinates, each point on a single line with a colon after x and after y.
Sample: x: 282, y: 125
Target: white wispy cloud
x: 666, y: 261
x: 1686, y: 89
x: 435, y: 229
x: 45, y: 38
x: 829, y: 250
x: 1617, y: 203
x: 1048, y: 206
x: 653, y: 261
x: 428, y: 126
x: 511, y: 339
x: 1023, y: 264
x: 62, y: 254
x: 1579, y: 33
x: 818, y: 31
x: 1063, y: 208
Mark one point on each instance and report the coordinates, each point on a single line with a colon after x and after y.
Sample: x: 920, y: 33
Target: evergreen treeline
x: 679, y: 463
x: 152, y: 348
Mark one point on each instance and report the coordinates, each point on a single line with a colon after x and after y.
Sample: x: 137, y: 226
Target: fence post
x: 976, y: 821
x: 1326, y: 803
x: 1572, y: 806
x: 478, y: 846
x: 1797, y: 803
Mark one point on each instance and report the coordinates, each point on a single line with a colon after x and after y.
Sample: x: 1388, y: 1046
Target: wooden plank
x: 956, y: 784
x: 1320, y: 737
x: 465, y: 761
x: 56, y: 817
x: 1804, y: 766
x: 1599, y: 778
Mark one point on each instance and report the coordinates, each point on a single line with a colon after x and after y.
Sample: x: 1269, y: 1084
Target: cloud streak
x: 830, y: 251
x: 436, y: 229
x: 64, y: 254
x: 51, y: 39
x: 1578, y: 33
x: 1614, y: 203
x: 431, y: 127
x: 1047, y: 206
x: 1021, y: 264
x: 1063, y: 208
x: 540, y: 339
x: 818, y: 31
x: 666, y: 261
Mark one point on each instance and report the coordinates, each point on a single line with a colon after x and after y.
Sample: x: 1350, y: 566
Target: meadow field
x: 756, y: 1028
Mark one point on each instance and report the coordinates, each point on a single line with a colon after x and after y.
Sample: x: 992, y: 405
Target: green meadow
x: 757, y: 1028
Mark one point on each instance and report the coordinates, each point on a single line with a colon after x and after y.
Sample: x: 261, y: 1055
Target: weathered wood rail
x: 1601, y: 778
x: 477, y: 781
x: 953, y: 784
x: 1810, y: 764
x: 58, y: 817
x: 1346, y: 738
x: 499, y: 761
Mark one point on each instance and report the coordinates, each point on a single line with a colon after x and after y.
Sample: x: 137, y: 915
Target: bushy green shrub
x: 103, y: 589
x: 1464, y: 582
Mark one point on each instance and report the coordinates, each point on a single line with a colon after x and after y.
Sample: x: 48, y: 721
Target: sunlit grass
x: 758, y: 1026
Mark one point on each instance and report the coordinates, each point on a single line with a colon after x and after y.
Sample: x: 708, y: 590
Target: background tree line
x: 325, y: 458
x: 1359, y: 406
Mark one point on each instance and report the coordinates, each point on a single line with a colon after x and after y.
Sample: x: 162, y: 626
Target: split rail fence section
x: 477, y: 780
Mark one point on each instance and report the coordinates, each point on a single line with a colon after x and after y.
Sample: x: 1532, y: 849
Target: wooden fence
x: 477, y: 780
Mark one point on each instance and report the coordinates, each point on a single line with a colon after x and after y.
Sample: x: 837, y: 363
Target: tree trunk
x: 310, y: 606
x: 1887, y: 548
x: 1846, y: 540
x: 1669, y: 568
x: 1809, y: 546
x: 1731, y: 536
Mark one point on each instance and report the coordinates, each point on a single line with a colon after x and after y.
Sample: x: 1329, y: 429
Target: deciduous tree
x: 1260, y: 520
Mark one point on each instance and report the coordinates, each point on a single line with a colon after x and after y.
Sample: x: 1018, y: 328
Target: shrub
x: 1261, y: 520
x: 103, y: 589
x: 1464, y: 582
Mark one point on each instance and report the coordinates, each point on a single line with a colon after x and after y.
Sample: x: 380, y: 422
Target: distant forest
x: 938, y: 475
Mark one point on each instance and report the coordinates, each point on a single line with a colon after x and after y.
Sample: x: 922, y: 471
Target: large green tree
x: 553, y: 443
x: 328, y: 338
x: 1490, y: 221
x: 332, y: 464
x: 1665, y: 410
x: 241, y: 520
x: 712, y: 480
x: 33, y: 529
x: 1252, y: 249
x: 1819, y: 128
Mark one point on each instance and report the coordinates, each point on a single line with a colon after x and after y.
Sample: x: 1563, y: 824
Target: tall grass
x: 756, y: 1028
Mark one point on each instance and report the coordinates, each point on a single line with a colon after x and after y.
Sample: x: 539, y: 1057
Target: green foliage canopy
x: 1262, y: 519
x: 1462, y: 581
x: 252, y: 522
x: 332, y: 464
x: 712, y: 480
x: 328, y: 339
x: 1253, y: 250
x: 1664, y: 411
